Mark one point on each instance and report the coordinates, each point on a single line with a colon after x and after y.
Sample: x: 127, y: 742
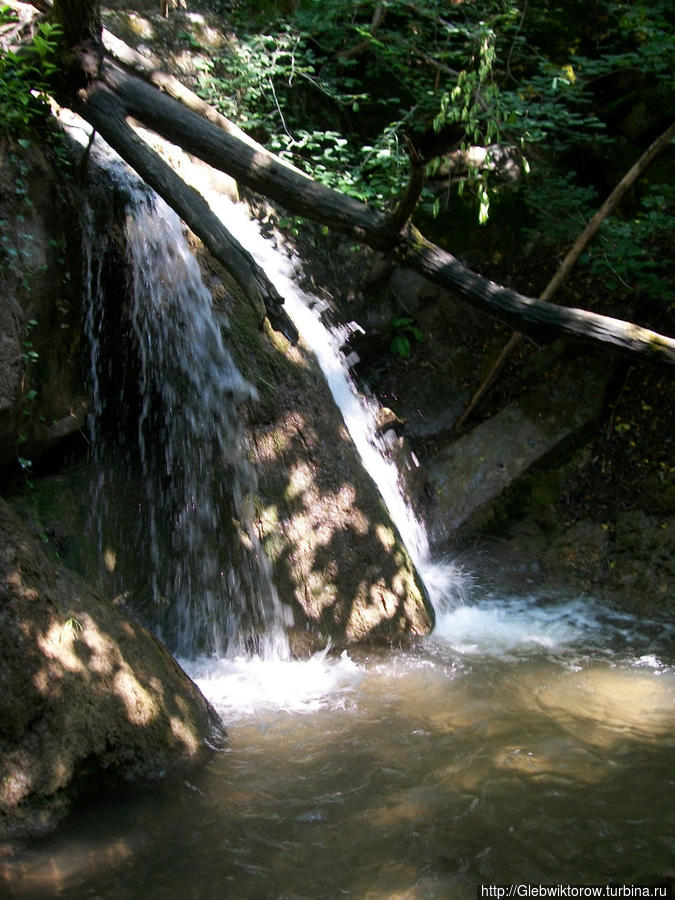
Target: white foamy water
x: 567, y: 635
x: 517, y: 626
x: 244, y: 687
x: 212, y: 590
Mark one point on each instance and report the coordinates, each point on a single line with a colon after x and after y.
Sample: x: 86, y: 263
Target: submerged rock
x: 89, y: 697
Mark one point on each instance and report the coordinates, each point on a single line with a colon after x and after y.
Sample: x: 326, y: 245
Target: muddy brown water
x: 526, y: 742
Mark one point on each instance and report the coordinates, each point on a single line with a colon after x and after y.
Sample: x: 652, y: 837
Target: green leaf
x: 400, y: 346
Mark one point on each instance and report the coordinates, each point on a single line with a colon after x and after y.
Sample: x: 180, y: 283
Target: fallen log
x: 538, y: 319
x: 262, y: 172
x: 107, y: 115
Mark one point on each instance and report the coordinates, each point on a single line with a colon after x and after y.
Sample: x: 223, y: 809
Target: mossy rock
x: 89, y: 697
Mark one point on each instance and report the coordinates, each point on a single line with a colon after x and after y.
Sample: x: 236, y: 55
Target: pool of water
x: 526, y: 741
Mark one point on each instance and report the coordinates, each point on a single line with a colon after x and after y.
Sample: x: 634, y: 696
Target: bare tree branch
x: 406, y: 205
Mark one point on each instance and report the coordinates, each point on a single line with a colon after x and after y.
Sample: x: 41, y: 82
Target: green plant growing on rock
x: 403, y: 332
x: 30, y: 358
x: 72, y: 626
x: 24, y: 80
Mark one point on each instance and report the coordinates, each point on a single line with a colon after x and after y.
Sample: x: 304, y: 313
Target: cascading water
x: 177, y: 443
x: 183, y: 394
x: 444, y: 581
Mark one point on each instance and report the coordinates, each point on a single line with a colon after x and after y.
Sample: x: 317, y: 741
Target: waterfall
x: 172, y: 489
x: 443, y: 579
x: 209, y: 587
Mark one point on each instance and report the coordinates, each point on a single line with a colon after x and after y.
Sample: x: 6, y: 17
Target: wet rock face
x: 88, y: 696
x: 336, y: 558
x: 41, y: 395
x: 641, y: 559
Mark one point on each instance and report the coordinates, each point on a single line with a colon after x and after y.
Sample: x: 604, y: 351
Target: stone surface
x: 337, y: 559
x: 474, y: 470
x: 41, y: 394
x: 628, y: 565
x: 88, y: 697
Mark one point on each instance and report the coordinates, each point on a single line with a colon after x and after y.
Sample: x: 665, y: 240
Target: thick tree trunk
x: 80, y: 21
x: 262, y: 172
x: 255, y: 167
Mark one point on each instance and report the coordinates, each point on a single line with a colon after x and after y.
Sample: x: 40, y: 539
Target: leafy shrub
x: 24, y: 79
x: 338, y: 87
x: 628, y: 253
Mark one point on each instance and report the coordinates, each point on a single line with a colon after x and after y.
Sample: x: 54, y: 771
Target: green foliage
x: 277, y: 88
x: 637, y: 40
x: 559, y: 207
x: 628, y: 253
x: 29, y: 354
x: 403, y: 330
x: 338, y: 87
x: 24, y: 80
x: 16, y: 246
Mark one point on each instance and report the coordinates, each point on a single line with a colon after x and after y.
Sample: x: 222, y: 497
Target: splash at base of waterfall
x: 566, y: 633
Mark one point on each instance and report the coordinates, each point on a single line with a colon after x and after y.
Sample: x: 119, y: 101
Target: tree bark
x: 80, y: 21
x: 538, y: 319
x: 261, y: 171
x: 106, y: 114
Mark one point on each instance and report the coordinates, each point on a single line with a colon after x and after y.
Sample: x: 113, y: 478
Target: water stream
x: 444, y: 581
x: 529, y: 739
x: 530, y: 742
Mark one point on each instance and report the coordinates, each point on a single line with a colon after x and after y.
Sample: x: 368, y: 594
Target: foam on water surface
x: 248, y: 686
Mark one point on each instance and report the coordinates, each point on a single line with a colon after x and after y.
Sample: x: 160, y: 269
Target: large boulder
x: 468, y: 475
x: 337, y: 558
x: 88, y: 696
